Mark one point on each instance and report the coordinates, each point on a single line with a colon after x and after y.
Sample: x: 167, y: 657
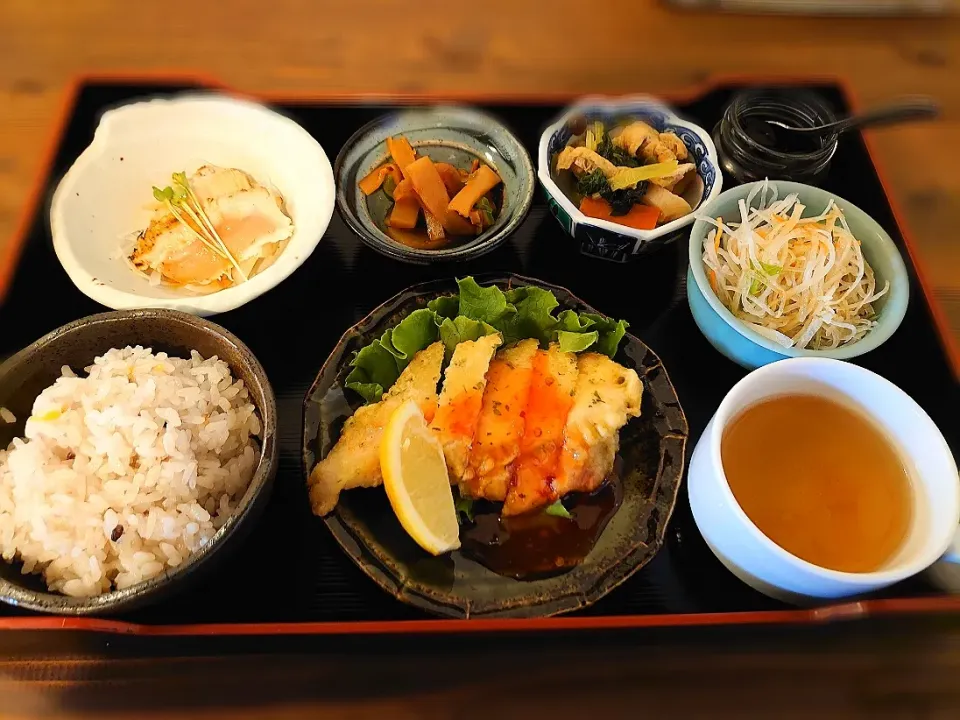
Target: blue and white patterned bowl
x: 605, y: 239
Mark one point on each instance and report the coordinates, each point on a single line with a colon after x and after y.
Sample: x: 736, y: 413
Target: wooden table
x: 899, y: 670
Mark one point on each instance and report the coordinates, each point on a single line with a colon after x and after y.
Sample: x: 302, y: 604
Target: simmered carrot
x: 451, y: 178
x: 429, y: 186
x: 482, y: 182
x: 404, y: 189
x: 405, y: 213
x: 372, y: 182
x: 401, y: 152
x: 456, y: 225
x: 640, y: 217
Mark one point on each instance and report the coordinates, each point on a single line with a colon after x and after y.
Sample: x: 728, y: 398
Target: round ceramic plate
x: 454, y: 135
x: 650, y: 460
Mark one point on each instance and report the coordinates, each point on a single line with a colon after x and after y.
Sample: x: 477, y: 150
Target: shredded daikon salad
x: 799, y: 281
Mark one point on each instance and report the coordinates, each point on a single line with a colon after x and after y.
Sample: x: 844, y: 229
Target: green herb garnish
x: 558, y: 510
x: 758, y: 281
x: 464, y: 506
x: 769, y: 269
x: 186, y: 207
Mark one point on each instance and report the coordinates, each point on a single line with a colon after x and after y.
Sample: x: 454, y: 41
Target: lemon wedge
x: 415, y: 478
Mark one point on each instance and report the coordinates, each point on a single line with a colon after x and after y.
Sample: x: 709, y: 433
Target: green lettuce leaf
x: 611, y: 332
x: 445, y: 306
x: 519, y: 313
x: 374, y: 370
x: 570, y: 321
x: 378, y: 365
x: 609, y: 341
x: 460, y: 329
x: 576, y: 341
x: 534, y: 316
x: 411, y: 335
x: 488, y: 304
x: 598, y: 333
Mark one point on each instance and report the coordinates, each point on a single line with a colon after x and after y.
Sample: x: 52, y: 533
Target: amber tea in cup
x: 821, y: 480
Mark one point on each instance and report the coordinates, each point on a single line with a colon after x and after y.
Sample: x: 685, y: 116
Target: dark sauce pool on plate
x: 537, y: 545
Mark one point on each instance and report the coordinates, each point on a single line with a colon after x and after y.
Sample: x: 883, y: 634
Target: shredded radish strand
x: 798, y: 281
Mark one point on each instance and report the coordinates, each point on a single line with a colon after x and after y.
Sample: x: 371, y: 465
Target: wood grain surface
x: 897, y: 670
x: 878, y: 670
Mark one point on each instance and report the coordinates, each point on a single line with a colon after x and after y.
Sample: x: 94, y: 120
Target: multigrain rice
x: 127, y: 471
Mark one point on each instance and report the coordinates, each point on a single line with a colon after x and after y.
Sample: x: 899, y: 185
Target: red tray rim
x: 839, y: 611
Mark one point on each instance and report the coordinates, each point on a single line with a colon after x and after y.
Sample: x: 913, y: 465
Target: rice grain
x: 126, y: 472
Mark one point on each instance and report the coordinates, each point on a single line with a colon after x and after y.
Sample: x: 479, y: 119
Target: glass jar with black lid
x: 751, y: 149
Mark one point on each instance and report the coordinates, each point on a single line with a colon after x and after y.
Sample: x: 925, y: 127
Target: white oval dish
x: 106, y: 195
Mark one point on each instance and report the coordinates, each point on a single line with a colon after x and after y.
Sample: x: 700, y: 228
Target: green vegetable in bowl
x: 389, y: 185
x: 622, y: 201
x: 596, y: 183
x: 618, y: 156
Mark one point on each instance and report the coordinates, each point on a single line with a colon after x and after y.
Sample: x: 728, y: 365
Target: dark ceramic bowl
x: 651, y: 457
x: 445, y: 134
x: 602, y: 238
x: 25, y: 375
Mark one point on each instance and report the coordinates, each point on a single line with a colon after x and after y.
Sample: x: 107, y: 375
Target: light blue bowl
x: 748, y: 348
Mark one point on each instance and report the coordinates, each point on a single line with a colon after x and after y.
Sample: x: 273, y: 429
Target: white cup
x: 764, y: 565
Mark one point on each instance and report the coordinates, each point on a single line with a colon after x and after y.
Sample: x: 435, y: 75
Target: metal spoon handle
x: 917, y: 109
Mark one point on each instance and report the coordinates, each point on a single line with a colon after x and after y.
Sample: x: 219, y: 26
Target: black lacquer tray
x: 290, y: 576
